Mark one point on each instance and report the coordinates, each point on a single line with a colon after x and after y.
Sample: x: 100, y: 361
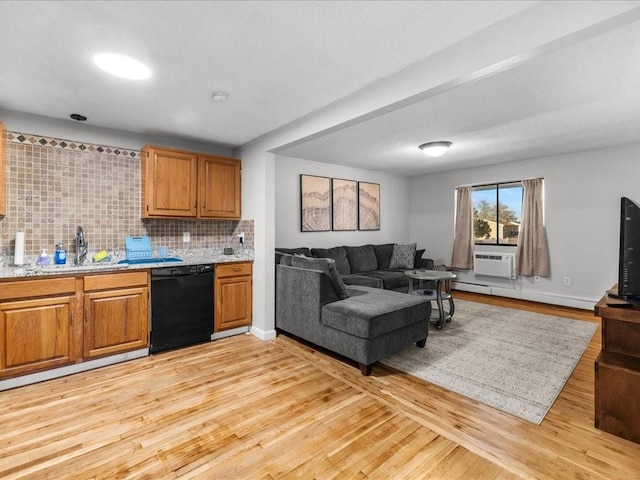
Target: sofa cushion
x: 362, y: 259
x: 370, y: 313
x: 364, y: 280
x: 417, y: 259
x: 338, y: 254
x: 293, y: 251
x: 383, y: 254
x: 326, y: 265
x: 403, y: 256
x: 391, y: 279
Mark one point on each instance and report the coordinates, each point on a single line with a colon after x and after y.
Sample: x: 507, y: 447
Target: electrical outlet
x: 536, y: 278
x: 566, y: 281
x: 241, y: 237
x: 186, y: 237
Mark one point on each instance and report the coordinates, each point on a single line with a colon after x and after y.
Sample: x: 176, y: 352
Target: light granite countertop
x: 196, y: 256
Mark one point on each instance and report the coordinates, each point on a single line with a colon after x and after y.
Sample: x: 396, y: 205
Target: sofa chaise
x: 362, y: 323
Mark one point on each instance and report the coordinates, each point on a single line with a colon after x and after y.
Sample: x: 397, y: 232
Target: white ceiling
x: 282, y: 61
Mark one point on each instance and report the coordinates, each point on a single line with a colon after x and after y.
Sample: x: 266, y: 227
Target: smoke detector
x: 219, y: 97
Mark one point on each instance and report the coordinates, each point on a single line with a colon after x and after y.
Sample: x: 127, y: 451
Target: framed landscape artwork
x: 345, y: 204
x: 315, y: 203
x: 368, y: 206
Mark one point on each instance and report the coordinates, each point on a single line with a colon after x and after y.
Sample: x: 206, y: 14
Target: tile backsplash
x: 54, y: 185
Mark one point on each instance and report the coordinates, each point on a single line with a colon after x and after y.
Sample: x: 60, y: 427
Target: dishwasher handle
x: 182, y: 271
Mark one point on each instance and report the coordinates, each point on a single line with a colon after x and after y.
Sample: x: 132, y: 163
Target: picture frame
x: 344, y: 194
x: 368, y: 206
x: 315, y: 203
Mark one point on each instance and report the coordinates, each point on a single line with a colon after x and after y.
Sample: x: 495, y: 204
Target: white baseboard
x: 71, y: 369
x: 472, y: 287
x: 542, y: 297
x: 229, y: 333
x: 263, y: 334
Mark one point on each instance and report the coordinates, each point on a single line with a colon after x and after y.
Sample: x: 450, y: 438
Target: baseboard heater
x: 494, y: 264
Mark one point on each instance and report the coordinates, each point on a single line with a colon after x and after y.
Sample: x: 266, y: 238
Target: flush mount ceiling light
x: 435, y: 149
x: 122, y: 66
x: 219, y: 97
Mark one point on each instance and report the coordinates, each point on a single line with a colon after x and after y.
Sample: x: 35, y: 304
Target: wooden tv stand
x: 617, y: 369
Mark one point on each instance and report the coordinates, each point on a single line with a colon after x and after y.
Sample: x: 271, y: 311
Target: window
x: 497, y: 212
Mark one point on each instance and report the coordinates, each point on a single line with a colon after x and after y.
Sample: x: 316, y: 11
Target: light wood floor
x: 242, y: 408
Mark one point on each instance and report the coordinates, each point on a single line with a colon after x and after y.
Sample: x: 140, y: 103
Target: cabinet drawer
x: 37, y: 288
x: 116, y: 280
x: 233, y: 269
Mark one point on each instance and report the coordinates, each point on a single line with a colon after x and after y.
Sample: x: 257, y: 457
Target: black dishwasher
x: 181, y: 306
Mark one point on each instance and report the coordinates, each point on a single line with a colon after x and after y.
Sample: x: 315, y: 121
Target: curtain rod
x: 497, y: 183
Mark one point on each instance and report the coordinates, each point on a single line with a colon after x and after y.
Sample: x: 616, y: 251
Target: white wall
x: 394, y: 206
x: 582, y: 195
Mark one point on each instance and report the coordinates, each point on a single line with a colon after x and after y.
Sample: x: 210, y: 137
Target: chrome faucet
x: 81, y: 246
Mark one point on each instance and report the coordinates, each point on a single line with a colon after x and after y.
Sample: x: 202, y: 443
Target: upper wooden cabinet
x: 3, y: 171
x: 176, y: 183
x: 219, y: 187
x: 169, y: 183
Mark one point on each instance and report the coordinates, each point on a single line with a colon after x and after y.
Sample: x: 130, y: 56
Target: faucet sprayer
x: 81, y: 246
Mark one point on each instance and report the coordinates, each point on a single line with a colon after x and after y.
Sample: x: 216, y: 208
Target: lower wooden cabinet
x: 233, y: 294
x: 52, y: 322
x: 38, y: 326
x: 55, y: 321
x: 116, y: 313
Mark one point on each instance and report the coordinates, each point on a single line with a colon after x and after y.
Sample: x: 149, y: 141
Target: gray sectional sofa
x: 370, y: 265
x: 362, y: 323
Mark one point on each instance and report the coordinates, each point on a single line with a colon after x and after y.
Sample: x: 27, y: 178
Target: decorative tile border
x: 29, y: 139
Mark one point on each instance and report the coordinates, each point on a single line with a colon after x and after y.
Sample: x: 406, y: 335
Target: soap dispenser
x: 61, y: 255
x: 43, y: 259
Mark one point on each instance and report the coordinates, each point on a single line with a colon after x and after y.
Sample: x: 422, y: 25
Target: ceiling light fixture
x: 122, y: 66
x: 219, y: 97
x: 435, y: 149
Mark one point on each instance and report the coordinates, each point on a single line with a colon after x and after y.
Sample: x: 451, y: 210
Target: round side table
x: 439, y: 316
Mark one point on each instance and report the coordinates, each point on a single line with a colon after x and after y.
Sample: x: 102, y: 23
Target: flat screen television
x: 629, y: 261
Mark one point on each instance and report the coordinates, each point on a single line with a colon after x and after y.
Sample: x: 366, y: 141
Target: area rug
x: 512, y: 360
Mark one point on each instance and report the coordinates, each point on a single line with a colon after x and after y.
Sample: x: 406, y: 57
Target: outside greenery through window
x: 497, y: 213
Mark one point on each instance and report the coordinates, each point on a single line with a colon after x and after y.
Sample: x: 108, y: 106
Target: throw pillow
x: 285, y: 259
x: 403, y: 256
x: 325, y: 265
x: 418, y: 258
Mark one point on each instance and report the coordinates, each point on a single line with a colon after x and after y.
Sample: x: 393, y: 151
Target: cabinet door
x: 233, y: 302
x: 219, y: 187
x: 169, y: 183
x: 36, y: 335
x: 116, y: 321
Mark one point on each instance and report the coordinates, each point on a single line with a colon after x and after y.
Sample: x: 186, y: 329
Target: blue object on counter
x: 60, y: 258
x: 137, y: 248
x: 149, y: 260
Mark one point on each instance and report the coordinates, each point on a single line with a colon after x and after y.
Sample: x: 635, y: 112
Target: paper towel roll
x: 18, y: 257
